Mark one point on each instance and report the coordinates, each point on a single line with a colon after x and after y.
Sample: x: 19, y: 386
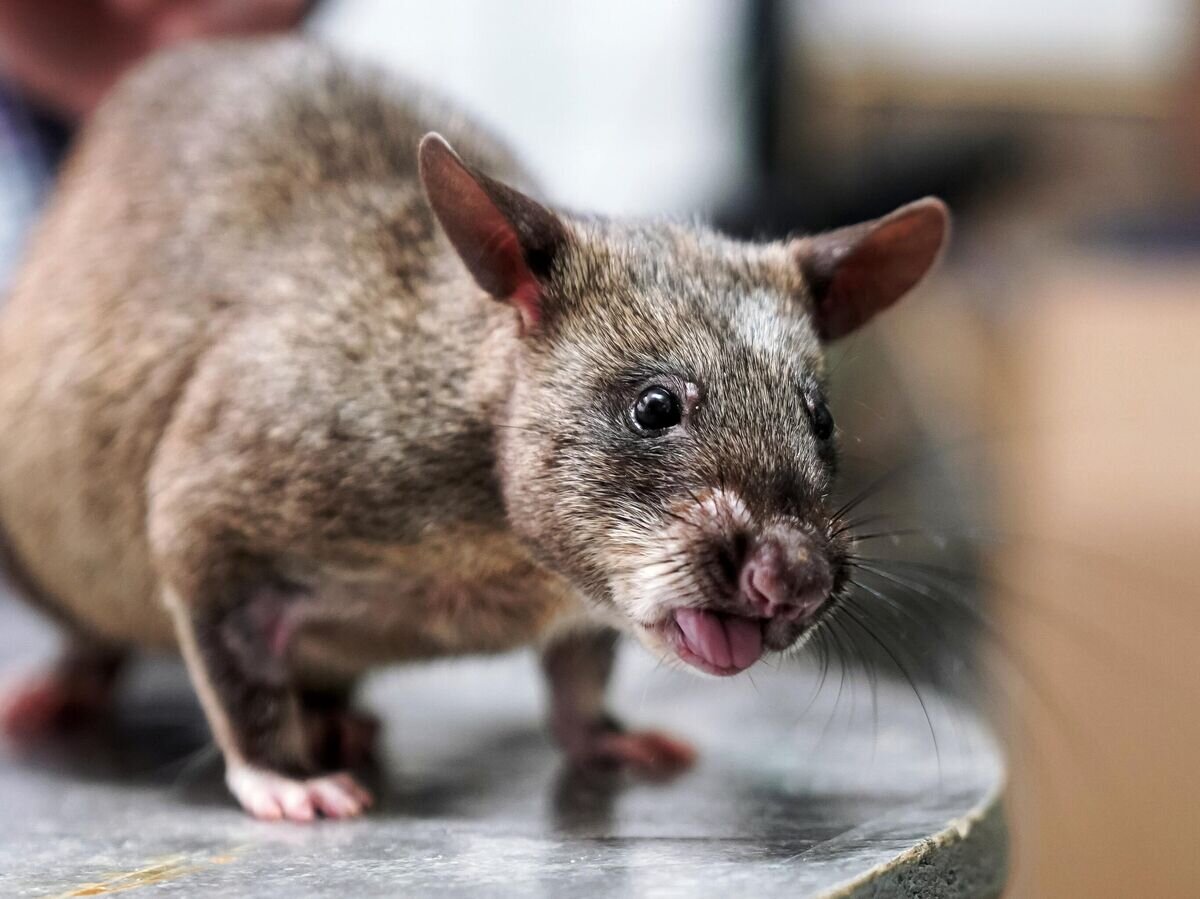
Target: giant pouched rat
x: 290, y: 388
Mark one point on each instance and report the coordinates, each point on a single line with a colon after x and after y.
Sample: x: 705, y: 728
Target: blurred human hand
x: 68, y: 53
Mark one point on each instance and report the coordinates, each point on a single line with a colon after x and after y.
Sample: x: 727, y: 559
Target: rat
x: 299, y: 379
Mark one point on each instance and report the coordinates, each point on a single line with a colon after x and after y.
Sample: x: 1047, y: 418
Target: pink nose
x: 786, y: 579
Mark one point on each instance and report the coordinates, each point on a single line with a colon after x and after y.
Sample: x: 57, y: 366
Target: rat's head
x: 667, y: 444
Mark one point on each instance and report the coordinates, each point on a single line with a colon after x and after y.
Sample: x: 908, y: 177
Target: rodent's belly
x: 354, y: 624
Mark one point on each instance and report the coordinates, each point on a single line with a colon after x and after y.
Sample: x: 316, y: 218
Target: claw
x: 273, y: 797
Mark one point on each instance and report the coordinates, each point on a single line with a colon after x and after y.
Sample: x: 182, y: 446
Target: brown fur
x: 255, y: 406
x: 184, y: 290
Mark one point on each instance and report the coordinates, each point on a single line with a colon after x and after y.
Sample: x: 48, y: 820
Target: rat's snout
x: 726, y: 586
x: 777, y: 589
x: 786, y: 576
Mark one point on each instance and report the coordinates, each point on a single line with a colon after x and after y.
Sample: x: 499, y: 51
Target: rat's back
x: 218, y: 183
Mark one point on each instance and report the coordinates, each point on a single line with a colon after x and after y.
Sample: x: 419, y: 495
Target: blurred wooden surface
x: 1099, y: 563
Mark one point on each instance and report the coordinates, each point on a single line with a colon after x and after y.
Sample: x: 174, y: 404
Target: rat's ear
x: 853, y: 273
x: 506, y: 240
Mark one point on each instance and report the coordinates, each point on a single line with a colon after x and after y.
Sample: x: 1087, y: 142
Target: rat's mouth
x: 715, y: 642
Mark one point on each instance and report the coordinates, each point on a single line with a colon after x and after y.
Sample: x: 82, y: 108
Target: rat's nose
x: 786, y: 577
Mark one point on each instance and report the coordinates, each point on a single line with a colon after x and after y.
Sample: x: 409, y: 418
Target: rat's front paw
x: 607, y: 745
x: 273, y: 797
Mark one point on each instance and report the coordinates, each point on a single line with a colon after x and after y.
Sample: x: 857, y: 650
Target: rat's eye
x: 657, y: 409
x: 822, y: 420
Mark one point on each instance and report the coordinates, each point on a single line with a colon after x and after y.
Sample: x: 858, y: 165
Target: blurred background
x: 1027, y: 423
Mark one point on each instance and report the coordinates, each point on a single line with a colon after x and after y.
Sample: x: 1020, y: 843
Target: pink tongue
x: 724, y: 641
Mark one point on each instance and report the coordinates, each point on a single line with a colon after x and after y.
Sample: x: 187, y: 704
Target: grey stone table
x: 837, y: 796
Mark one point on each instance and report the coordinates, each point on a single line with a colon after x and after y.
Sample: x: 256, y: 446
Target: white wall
x: 631, y: 106
x: 1121, y: 38
x: 618, y: 106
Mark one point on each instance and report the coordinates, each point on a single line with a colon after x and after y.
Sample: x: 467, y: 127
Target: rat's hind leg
x: 578, y: 665
x: 234, y: 639
x: 75, y: 690
x: 339, y: 735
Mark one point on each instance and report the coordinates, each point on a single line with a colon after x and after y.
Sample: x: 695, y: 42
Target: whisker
x: 904, y: 672
x: 879, y: 535
x: 1016, y: 661
x: 1070, y: 626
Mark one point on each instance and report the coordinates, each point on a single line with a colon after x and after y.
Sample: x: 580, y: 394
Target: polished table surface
x: 845, y: 794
